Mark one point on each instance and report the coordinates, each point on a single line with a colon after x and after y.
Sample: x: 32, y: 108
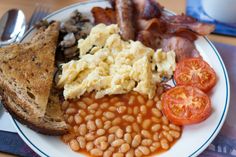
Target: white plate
x: 194, y: 139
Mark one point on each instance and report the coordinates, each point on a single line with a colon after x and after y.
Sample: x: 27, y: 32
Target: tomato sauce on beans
x: 120, y: 125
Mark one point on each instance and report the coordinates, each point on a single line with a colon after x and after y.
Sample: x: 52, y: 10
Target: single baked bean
x: 99, y: 123
x: 111, y: 149
x: 112, y: 108
x: 119, y: 133
x: 71, y: 111
x: 90, y: 136
x: 156, y: 136
x: 156, y: 120
x: 111, y: 138
x: 146, y: 142
x: 135, y: 127
x: 67, y: 137
x: 158, y: 105
x: 146, y: 123
x: 82, y: 113
x: 96, y: 152
x: 100, y: 132
x: 92, y: 111
x: 149, y: 103
x: 156, y: 98
x: 138, y: 153
x: 152, y: 149
x: 156, y: 112
x: 143, y: 109
x: 82, y: 142
x: 114, y: 100
x: 136, y: 110
x: 74, y: 145
x: 144, y: 150
x: 164, y: 144
x: 109, y: 115
x: 100, y: 139
x: 128, y: 118
x: 89, y: 146
x: 107, y: 125
x: 141, y: 99
x: 104, y: 119
x: 146, y: 134
x: 130, y: 153
x: 91, y: 125
x: 175, y: 134
x: 124, y: 148
x: 81, y: 105
x: 70, y: 119
x: 82, y: 129
x: 103, y: 145
x: 89, y: 117
x: 139, y: 119
x: 121, y: 109
x: 156, y: 144
x: 98, y: 113
x: 136, y: 141
x: 156, y: 127
x: 107, y: 153
x: 87, y: 100
x: 128, y: 138
x: 131, y: 100
x: 174, y: 127
x: 117, y: 142
x: 113, y: 129
x: 118, y: 155
x: 116, y: 121
x: 165, y: 127
x: 128, y: 129
x: 119, y: 104
x: 104, y: 105
x: 164, y: 120
x: 78, y: 119
x: 93, y: 106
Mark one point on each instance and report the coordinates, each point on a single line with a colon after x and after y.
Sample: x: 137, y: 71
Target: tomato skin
x: 180, y: 107
x: 195, y: 72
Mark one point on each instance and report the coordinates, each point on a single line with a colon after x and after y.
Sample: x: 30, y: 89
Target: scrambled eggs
x: 109, y: 65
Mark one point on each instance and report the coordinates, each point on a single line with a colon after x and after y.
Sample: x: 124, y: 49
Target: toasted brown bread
x: 51, y: 124
x: 26, y: 76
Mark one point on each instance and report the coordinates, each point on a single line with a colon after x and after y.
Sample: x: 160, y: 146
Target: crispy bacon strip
x: 106, y: 16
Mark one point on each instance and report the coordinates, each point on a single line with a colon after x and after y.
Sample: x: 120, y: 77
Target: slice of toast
x: 51, y: 124
x: 26, y: 77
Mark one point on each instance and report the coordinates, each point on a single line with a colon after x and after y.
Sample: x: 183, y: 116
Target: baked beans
x: 120, y: 125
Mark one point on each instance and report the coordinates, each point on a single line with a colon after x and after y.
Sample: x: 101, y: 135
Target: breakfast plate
x: 194, y: 139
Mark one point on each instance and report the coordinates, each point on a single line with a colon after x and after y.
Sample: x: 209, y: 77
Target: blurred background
x: 28, y: 7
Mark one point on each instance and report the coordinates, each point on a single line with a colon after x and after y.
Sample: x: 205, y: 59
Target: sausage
x: 124, y: 16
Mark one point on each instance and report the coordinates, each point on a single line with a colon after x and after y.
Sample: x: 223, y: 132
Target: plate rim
x: 196, y: 152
